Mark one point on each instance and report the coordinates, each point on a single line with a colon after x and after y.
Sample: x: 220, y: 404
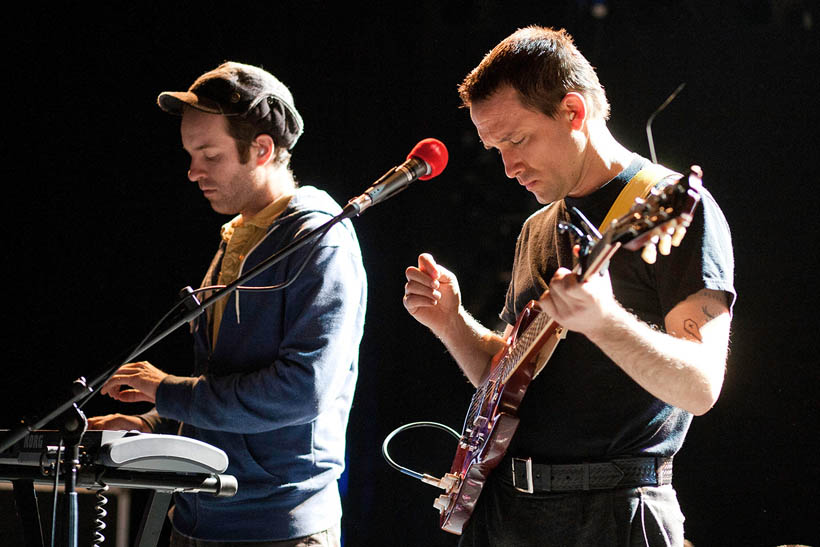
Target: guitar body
x: 491, y: 425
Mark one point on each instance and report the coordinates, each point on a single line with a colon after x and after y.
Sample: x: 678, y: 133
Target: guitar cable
x: 445, y: 482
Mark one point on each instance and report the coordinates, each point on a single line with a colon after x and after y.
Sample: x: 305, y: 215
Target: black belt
x: 532, y: 477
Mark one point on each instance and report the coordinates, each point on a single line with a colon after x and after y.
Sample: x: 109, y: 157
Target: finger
x: 564, y: 283
x: 108, y: 421
x: 414, y: 302
x: 131, y: 396
x: 97, y: 422
x: 415, y: 274
x: 117, y: 383
x: 561, y: 273
x: 128, y: 370
x: 555, y: 307
x: 135, y: 366
x: 428, y: 265
x: 422, y: 289
x: 558, y: 299
x: 114, y: 383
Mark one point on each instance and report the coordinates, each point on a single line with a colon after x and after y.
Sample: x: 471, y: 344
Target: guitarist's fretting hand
x: 577, y: 306
x: 431, y: 294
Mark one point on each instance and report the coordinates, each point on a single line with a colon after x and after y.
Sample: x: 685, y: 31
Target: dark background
x: 102, y: 228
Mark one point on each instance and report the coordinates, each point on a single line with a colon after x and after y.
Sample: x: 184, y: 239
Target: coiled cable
x: 100, y: 514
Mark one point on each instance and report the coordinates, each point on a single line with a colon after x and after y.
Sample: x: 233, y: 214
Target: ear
x: 574, y: 107
x: 262, y: 149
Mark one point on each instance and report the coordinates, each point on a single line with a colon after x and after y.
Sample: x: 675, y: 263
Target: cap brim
x: 174, y: 102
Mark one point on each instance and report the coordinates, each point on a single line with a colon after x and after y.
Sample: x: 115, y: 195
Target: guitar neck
x: 526, y: 344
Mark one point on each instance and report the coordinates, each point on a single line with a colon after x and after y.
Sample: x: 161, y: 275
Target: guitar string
x: 506, y: 367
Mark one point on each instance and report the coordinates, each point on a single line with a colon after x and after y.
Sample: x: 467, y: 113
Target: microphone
x: 426, y: 160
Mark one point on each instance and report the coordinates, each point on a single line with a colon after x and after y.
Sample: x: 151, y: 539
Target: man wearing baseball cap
x: 274, y: 370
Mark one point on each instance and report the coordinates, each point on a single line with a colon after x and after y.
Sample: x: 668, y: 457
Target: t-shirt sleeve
x: 508, y: 314
x: 704, y: 260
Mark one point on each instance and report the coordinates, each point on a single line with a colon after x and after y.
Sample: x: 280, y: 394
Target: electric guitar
x: 655, y: 224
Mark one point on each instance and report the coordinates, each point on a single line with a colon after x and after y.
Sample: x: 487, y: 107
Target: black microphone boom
x: 391, y: 183
x: 426, y: 160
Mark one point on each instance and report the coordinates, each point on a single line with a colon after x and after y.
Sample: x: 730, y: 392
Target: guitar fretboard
x: 507, y: 366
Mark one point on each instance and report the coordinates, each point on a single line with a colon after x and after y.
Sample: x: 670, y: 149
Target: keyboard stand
x: 153, y: 518
x: 25, y: 502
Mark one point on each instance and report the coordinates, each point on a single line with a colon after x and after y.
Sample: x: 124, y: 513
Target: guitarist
x: 647, y: 344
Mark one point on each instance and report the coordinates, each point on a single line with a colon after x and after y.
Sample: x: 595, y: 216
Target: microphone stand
x: 74, y: 422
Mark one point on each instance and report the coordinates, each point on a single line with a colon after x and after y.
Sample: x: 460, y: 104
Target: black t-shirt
x: 583, y: 407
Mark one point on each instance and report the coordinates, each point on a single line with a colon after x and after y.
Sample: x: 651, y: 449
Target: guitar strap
x: 638, y: 186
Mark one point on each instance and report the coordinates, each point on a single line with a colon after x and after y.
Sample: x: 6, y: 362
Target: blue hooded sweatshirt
x: 275, y: 392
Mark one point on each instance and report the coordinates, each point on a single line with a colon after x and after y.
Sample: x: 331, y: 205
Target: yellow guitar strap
x: 638, y: 186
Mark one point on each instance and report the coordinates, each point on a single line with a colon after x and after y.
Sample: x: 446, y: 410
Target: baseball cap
x: 236, y: 89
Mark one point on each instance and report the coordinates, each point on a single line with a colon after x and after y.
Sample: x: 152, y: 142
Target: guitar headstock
x: 658, y: 222
x: 655, y: 223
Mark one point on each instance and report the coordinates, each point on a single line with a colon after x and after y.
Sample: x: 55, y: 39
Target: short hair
x: 543, y: 65
x: 244, y: 131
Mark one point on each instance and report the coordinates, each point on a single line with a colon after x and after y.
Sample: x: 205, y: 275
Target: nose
x: 512, y: 164
x: 195, y: 173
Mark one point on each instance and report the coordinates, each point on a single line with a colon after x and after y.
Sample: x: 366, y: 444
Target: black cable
x: 405, y: 427
x: 663, y: 105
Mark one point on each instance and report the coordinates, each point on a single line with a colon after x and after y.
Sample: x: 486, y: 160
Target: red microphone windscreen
x: 434, y: 153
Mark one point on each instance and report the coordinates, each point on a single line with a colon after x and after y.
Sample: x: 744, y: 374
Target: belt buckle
x: 528, y: 467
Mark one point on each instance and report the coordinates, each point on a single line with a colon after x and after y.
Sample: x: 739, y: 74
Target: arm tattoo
x: 690, y: 326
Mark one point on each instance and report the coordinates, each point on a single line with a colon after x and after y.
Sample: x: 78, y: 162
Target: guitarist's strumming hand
x: 579, y: 306
x: 431, y: 294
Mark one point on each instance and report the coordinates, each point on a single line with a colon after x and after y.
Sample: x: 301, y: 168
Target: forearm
x: 281, y: 395
x: 471, y: 344
x: 681, y: 372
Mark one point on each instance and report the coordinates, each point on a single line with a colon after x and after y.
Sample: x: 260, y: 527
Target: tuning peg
x: 677, y: 237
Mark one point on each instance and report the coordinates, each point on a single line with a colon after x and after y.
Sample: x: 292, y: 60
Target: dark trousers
x: 648, y: 516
